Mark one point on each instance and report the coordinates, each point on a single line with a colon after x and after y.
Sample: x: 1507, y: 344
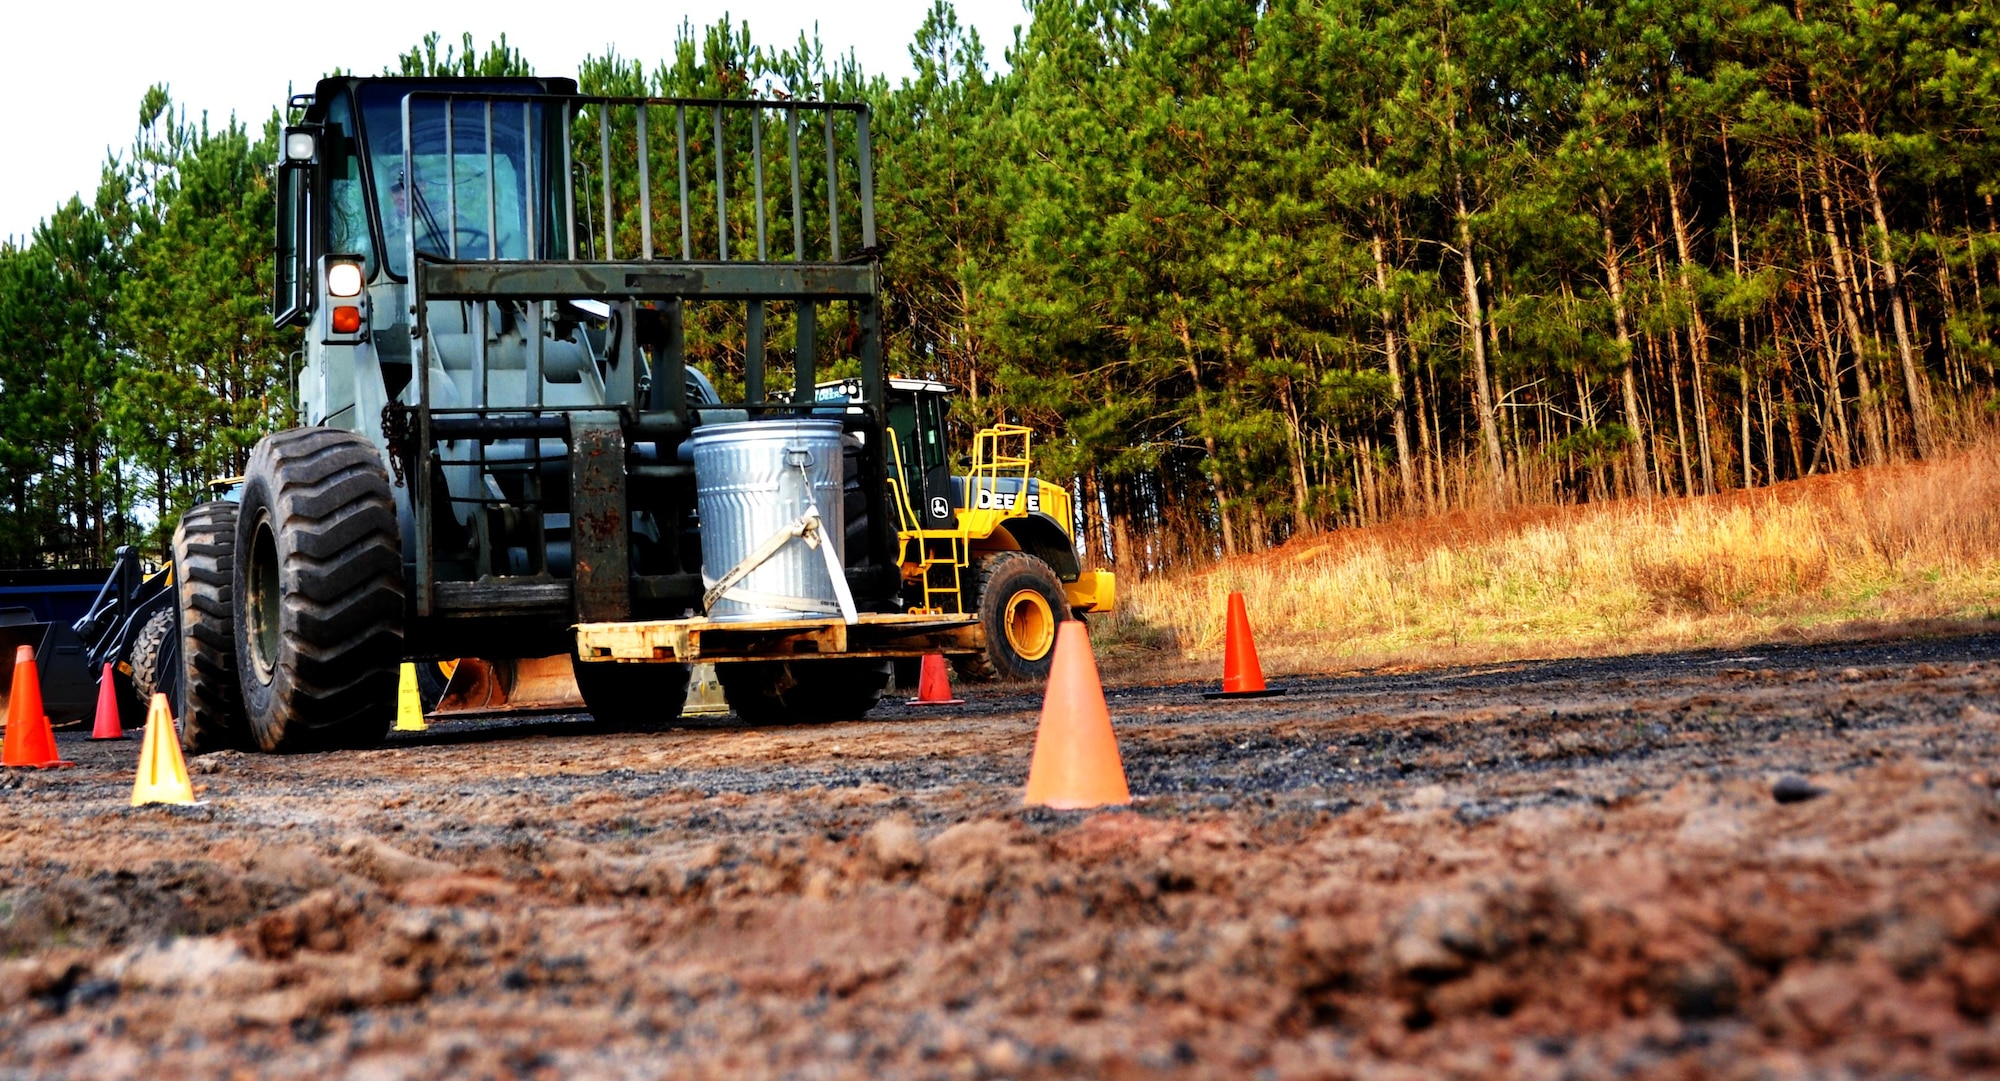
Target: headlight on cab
x: 344, y: 279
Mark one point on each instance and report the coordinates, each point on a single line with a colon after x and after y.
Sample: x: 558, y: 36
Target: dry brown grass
x: 1904, y: 544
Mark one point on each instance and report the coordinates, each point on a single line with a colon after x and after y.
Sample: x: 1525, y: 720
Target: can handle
x: 799, y: 456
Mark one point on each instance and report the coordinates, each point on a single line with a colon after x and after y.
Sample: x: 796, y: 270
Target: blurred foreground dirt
x: 1774, y: 863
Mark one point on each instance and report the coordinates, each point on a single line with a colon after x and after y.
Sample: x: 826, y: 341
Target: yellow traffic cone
x: 163, y: 774
x: 409, y: 708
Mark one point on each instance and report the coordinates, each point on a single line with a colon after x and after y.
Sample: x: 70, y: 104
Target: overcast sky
x: 72, y: 73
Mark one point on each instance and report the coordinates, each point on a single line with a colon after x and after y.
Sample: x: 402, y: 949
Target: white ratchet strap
x: 808, y: 527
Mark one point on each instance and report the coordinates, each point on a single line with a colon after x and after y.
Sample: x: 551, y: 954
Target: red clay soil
x: 1779, y: 863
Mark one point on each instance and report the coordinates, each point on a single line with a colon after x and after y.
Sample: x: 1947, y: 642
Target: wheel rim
x: 261, y: 606
x: 447, y: 669
x: 1030, y: 625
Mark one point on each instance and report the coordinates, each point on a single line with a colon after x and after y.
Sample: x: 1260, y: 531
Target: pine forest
x: 1250, y: 271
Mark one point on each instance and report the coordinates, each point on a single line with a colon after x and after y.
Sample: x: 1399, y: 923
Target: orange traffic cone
x: 934, y: 686
x: 1076, y: 761
x: 1242, y: 676
x: 163, y: 773
x: 108, y: 726
x: 29, y: 740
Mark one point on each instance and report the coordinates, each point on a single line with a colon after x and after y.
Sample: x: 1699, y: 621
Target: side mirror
x: 291, y: 295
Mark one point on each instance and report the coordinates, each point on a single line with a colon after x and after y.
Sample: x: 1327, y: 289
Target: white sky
x: 71, y: 74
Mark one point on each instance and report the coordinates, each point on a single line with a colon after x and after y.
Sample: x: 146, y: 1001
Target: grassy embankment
x: 1915, y: 546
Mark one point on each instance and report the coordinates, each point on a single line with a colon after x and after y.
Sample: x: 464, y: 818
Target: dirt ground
x: 1780, y: 862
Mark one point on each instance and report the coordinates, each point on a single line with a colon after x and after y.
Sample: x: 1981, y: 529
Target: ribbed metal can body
x: 752, y: 480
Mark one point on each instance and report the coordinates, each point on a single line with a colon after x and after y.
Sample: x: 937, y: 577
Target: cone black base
x: 1268, y: 692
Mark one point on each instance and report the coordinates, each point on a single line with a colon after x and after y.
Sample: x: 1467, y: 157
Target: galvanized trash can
x: 753, y: 480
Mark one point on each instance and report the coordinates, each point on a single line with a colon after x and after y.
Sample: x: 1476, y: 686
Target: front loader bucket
x: 69, y: 687
x: 13, y: 635
x: 529, y: 685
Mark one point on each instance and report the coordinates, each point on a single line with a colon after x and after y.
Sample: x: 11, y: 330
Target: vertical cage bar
x: 569, y: 181
x: 832, y: 191
x: 865, y: 167
x: 798, y: 196
x: 492, y: 213
x: 721, y: 190
x: 670, y: 374
x: 420, y: 358
x: 802, y: 371
x: 681, y: 143
x: 528, y: 178
x: 410, y: 246
x: 757, y: 154
x: 450, y: 179
x: 537, y: 311
x: 753, y: 353
x: 645, y: 187
x: 604, y: 174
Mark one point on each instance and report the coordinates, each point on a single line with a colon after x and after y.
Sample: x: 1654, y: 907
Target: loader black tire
x: 319, y: 592
x: 1018, y: 597
x: 803, y: 692
x: 631, y: 695
x: 151, y: 650
x: 209, y: 701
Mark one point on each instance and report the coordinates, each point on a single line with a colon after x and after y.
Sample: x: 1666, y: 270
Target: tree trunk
x: 1742, y: 330
x: 1398, y: 414
x: 1846, y: 286
x: 1628, y: 382
x: 1698, y: 328
x: 1123, y: 555
x: 1792, y: 423
x: 1295, y: 445
x: 1920, y: 427
x: 1489, y: 430
x: 1222, y: 497
x: 1824, y: 347
x: 1430, y: 458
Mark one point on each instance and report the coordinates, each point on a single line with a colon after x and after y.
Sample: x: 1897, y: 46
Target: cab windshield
x: 452, y: 203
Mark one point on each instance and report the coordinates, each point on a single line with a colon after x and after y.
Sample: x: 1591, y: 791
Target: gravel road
x: 1774, y: 862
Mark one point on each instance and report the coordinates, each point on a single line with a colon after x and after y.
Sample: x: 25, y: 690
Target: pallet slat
x: 702, y: 639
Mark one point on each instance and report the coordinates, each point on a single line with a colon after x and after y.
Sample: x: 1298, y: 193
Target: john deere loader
x: 507, y: 455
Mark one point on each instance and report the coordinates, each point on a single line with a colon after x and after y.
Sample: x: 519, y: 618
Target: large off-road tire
x: 209, y: 701
x: 624, y: 695
x: 319, y: 592
x: 1018, y: 598
x: 152, y: 649
x: 803, y: 692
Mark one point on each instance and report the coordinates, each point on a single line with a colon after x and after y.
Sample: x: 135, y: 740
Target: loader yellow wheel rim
x: 1030, y: 624
x: 448, y: 668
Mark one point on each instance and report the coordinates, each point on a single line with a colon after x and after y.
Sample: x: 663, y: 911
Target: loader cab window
x: 904, y: 430
x: 463, y: 198
x: 346, y: 204
x: 930, y: 429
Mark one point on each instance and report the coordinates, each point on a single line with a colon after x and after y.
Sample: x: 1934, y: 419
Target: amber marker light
x: 346, y: 319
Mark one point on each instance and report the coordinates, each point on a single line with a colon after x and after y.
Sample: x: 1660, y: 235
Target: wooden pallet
x: 701, y: 639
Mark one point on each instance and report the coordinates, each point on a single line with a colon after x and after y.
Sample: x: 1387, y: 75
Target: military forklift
x: 506, y: 454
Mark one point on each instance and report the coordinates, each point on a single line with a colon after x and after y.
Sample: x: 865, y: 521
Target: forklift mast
x: 494, y: 276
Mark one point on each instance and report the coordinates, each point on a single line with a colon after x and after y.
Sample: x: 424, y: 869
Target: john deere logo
x: 940, y: 508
